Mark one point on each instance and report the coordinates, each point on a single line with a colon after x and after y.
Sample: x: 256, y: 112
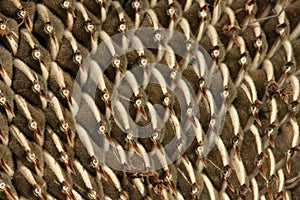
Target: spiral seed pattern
x: 47, y: 154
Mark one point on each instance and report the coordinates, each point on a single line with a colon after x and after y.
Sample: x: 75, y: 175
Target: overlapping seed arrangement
x: 44, y: 154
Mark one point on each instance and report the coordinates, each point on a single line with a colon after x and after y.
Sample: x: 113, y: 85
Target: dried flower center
x: 65, y: 188
x: 290, y: 152
x: 105, y: 97
x: 166, y: 100
x: 48, y: 28
x: 171, y: 11
x: 243, y: 60
x: 89, y: 27
x: 65, y: 92
x: 212, y: 122
x: 31, y: 157
x: 94, y: 162
x: 158, y: 37
x: 202, y: 82
x: 122, y: 26
x: 102, y: 129
x: 2, y: 100
x: 2, y: 186
x: 3, y: 26
x: 203, y: 14
x: 37, y: 87
x: 33, y: 125
x: 155, y: 135
x: 37, y: 191
x: 136, y: 5
x: 216, y: 53
x: 129, y: 136
x: 188, y: 46
x: 243, y: 190
x: 200, y: 149
x: 138, y: 102
x: 65, y: 126
x: 226, y: 91
x: 194, y: 190
x: 189, y: 112
x: 235, y: 140
x: 92, y: 194
x: 66, y: 4
x: 36, y: 54
x: 77, y: 57
x: 144, y: 61
x: 117, y: 62
x: 225, y: 171
x: 22, y: 13
x: 258, y: 42
x: 173, y: 74
x: 281, y: 28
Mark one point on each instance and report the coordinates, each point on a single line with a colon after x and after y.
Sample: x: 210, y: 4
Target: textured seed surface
x: 45, y: 155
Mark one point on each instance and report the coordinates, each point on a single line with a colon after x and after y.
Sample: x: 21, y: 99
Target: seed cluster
x: 44, y: 154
